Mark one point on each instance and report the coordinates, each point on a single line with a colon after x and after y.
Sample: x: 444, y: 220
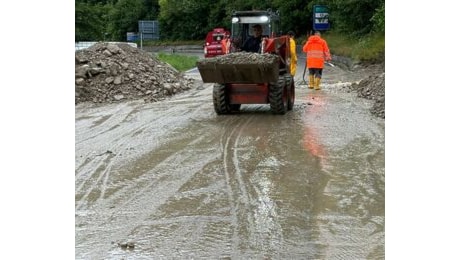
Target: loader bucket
x: 240, y: 68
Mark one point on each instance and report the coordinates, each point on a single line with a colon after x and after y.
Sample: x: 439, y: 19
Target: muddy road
x: 173, y: 180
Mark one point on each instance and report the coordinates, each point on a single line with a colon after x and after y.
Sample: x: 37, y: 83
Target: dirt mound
x: 106, y: 73
x: 373, y: 88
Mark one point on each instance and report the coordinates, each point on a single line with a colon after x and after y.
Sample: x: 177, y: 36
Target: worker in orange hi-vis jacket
x: 317, y: 51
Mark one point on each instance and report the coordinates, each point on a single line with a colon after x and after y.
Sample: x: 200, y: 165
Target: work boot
x: 311, y: 81
x: 317, y: 81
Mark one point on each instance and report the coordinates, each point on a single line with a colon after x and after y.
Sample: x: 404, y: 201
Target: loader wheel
x: 291, y: 91
x: 220, y: 99
x: 278, y: 96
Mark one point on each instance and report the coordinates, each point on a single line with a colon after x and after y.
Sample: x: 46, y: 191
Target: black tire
x: 291, y: 91
x: 278, y: 96
x: 220, y: 99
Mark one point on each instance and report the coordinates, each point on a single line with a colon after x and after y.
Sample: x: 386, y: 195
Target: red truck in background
x: 213, y: 44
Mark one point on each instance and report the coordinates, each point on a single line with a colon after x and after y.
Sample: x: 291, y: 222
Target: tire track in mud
x: 98, y: 161
x: 139, y: 189
x: 161, y: 182
x: 254, y: 217
x: 240, y: 199
x: 102, y: 122
x: 138, y: 186
x: 122, y: 141
x: 94, y: 126
x: 117, y: 119
x: 104, y: 167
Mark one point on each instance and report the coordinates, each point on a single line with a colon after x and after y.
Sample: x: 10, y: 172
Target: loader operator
x: 252, y: 44
x: 317, y: 51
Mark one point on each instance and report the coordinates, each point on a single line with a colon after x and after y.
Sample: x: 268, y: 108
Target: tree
x: 295, y: 15
x: 192, y: 19
x: 91, y: 21
x: 379, y: 19
x: 150, y: 10
x: 183, y: 19
x: 124, y: 18
x: 354, y: 16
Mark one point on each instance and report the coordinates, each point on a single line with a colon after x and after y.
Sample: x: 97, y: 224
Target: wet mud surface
x: 173, y: 180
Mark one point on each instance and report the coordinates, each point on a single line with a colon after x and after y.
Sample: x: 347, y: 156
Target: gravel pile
x: 373, y: 88
x: 239, y: 67
x: 241, y: 58
x: 107, y: 73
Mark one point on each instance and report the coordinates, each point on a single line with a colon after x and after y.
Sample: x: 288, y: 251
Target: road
x: 177, y: 181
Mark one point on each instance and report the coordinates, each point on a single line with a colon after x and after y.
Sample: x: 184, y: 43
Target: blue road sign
x: 320, y: 18
x: 150, y: 30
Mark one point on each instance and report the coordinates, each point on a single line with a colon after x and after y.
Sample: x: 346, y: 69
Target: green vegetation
x: 369, y: 48
x: 179, y: 62
x: 187, y: 21
x: 110, y: 20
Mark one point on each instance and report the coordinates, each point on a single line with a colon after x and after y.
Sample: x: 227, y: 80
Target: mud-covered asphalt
x: 173, y: 180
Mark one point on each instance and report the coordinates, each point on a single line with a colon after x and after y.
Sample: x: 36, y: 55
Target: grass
x: 370, y: 48
x: 179, y: 62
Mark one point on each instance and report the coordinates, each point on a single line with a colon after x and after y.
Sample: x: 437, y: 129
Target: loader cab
x: 242, y: 22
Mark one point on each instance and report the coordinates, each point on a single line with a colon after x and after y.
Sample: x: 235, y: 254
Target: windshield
x: 242, y: 27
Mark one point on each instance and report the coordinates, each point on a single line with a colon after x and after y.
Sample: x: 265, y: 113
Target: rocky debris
x: 241, y: 58
x: 373, y: 88
x: 240, y: 67
x: 128, y: 245
x: 125, y: 245
x: 107, y: 73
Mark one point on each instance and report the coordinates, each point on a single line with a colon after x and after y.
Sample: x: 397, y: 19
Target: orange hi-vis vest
x: 316, y: 50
